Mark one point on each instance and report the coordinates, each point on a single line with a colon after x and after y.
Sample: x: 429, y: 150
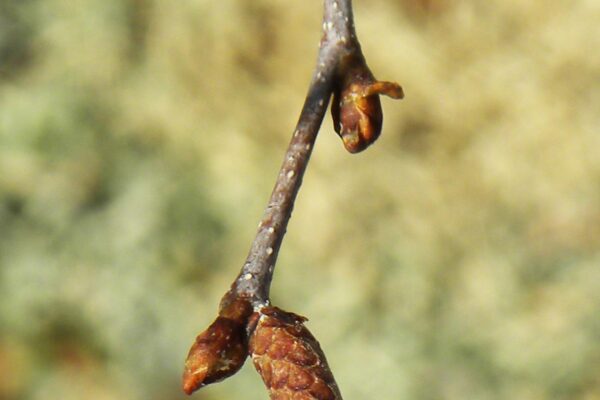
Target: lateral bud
x: 288, y: 357
x: 356, y: 108
x: 219, y: 351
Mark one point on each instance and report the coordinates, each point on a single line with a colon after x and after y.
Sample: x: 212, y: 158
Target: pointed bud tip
x: 217, y: 353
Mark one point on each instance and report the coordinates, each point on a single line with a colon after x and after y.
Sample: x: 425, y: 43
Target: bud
x: 356, y: 109
x: 289, y: 358
x: 219, y: 351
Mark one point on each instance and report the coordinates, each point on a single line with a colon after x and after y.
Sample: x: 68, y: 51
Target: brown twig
x: 278, y: 340
x: 338, y: 39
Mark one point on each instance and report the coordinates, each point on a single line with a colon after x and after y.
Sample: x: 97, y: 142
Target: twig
x: 255, y: 277
x: 284, y: 352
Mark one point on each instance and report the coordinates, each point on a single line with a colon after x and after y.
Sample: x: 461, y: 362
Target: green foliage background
x: 458, y: 258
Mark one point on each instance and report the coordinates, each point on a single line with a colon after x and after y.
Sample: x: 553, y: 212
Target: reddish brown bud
x: 289, y: 358
x: 356, y: 109
x: 219, y: 351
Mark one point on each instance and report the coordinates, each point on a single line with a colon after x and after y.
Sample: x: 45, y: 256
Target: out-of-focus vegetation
x: 458, y: 258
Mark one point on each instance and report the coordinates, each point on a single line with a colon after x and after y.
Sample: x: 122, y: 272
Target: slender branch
x: 339, y: 40
x: 284, y: 352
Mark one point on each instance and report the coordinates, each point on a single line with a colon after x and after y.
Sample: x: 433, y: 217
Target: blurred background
x: 458, y: 258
